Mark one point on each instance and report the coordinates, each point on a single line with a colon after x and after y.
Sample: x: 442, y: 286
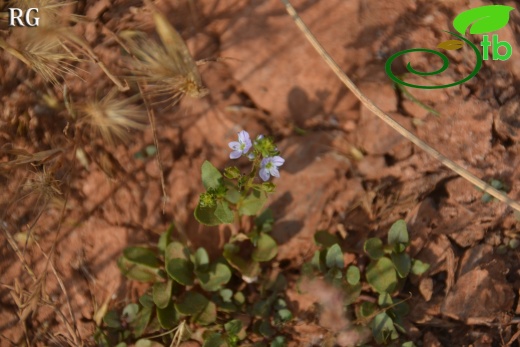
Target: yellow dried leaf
x: 451, y: 45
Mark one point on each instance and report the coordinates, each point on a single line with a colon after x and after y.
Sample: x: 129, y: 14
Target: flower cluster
x: 262, y: 148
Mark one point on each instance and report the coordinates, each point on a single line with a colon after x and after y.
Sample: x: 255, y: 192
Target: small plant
x: 385, y: 275
x: 228, y: 296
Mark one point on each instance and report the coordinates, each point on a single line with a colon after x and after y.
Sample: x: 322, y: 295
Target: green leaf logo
x: 482, y: 19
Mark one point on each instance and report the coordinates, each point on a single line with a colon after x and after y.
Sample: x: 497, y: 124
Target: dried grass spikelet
x: 44, y: 184
x: 167, y: 69
x: 44, y: 51
x: 112, y: 117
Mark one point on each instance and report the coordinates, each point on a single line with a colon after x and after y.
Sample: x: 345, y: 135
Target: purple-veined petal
x: 278, y: 161
x: 264, y: 174
x: 274, y: 172
x: 235, y: 154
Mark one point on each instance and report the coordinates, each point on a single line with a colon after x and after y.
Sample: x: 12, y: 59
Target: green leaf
x: 265, y: 329
x: 233, y: 327
x: 248, y: 268
x: 367, y: 309
x: 483, y: 19
x: 408, y: 344
x: 168, y: 316
x: 233, y: 195
x: 381, y: 275
x: 140, y: 264
x: 402, y: 263
x: 162, y: 293
x: 130, y: 312
x: 278, y: 341
x: 224, y: 213
x: 141, y: 321
x: 384, y: 300
x: 112, y: 320
x: 374, y: 248
x: 266, y: 248
x: 284, y: 314
x: 201, y: 259
x: 353, y: 275
x: 208, y: 314
x: 226, y: 294
x: 334, y: 257
x: 206, y: 215
x: 147, y: 343
x: 175, y: 250
x: 325, y: 239
x: 252, y: 204
x: 264, y: 222
x: 146, y: 300
x: 214, y: 340
x: 181, y: 270
x: 383, y: 328
x: 218, y: 275
x: 451, y: 45
x: 191, y: 303
x: 418, y: 267
x: 318, y: 260
x: 210, y: 176
x: 398, y: 236
x: 165, y: 238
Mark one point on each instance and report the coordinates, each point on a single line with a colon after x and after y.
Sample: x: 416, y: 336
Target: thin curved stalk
x: 391, y: 122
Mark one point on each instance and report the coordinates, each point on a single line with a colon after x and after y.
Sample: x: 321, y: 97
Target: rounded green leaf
x: 112, y: 320
x: 353, y: 275
x: 381, y: 275
x: 147, y: 343
x: 226, y: 294
x: 278, y: 341
x: 140, y: 264
x: 402, y: 263
x: 249, y: 268
x: 218, y: 275
x: 284, y: 314
x: 210, y: 175
x: 208, y: 314
x: 162, y: 293
x: 224, y: 213
x: 252, y: 204
x: 483, y: 19
x: 201, y: 259
x: 233, y: 327
x: 206, y: 215
x: 398, y: 236
x: 334, y: 257
x: 325, y: 239
x: 168, y: 316
x: 419, y: 267
x: 367, y: 309
x: 130, y: 312
x: 181, y: 270
x: 374, y: 248
x: 141, y: 321
x: 215, y: 340
x: 191, y: 303
x: 266, y: 248
x: 175, y: 250
x: 146, y: 300
x: 384, y: 300
x: 383, y: 328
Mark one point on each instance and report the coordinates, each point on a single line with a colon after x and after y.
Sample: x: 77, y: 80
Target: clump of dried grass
x: 165, y: 69
x: 112, y: 117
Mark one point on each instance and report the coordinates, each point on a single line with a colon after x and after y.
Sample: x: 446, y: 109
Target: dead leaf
x: 451, y: 45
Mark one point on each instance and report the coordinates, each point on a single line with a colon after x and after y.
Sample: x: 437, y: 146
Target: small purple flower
x: 269, y: 166
x: 241, y: 146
